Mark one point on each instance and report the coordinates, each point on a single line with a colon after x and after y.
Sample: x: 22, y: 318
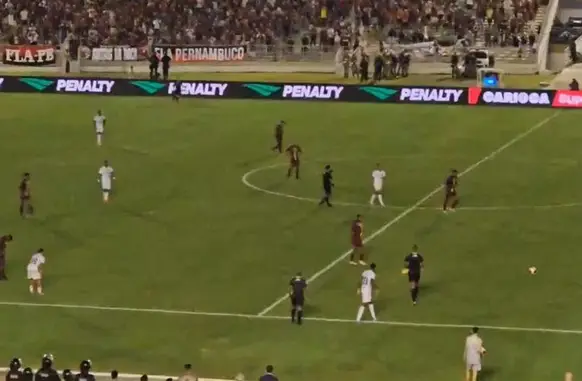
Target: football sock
x: 352, y: 256
x: 99, y: 140
x: 289, y: 172
x: 455, y: 203
x: 414, y: 293
x: 372, y: 311
x: 31, y: 289
x: 105, y: 197
x: 381, y: 200
x: 361, y: 256
x: 21, y: 209
x: 299, y: 317
x: 293, y: 314
x: 360, y: 313
x: 39, y: 290
x: 372, y: 199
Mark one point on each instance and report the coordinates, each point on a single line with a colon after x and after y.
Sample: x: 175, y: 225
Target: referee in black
x: 297, y: 286
x: 414, y: 264
x: 327, y: 185
x: 269, y: 375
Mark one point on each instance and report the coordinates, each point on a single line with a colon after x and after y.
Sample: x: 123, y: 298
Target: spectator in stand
x: 269, y: 375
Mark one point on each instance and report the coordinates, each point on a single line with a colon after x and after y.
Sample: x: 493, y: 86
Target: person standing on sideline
x: 188, y: 374
x: 269, y: 375
x: 473, y: 355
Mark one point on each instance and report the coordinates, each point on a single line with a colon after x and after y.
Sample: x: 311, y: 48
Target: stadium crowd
x: 314, y: 22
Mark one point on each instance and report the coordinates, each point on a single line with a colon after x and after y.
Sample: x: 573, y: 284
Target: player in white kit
x: 99, y: 121
x: 34, y: 272
x: 366, y: 289
x: 378, y: 176
x: 473, y: 355
x: 105, y: 178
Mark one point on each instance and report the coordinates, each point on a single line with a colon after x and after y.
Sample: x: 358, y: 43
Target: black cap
x: 15, y: 363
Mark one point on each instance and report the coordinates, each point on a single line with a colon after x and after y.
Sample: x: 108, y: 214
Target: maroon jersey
x: 294, y: 152
x: 357, y: 233
x: 24, y: 189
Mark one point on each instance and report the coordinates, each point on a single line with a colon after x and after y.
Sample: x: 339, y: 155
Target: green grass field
x: 183, y: 233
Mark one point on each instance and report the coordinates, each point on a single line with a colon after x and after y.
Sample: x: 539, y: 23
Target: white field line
x: 283, y: 318
x: 245, y: 180
x: 415, y: 206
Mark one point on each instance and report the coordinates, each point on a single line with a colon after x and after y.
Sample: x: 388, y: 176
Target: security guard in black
x: 84, y: 372
x: 46, y: 371
x: 14, y: 373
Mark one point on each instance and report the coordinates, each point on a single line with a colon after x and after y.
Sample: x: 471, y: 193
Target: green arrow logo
x: 262, y: 89
x: 149, y: 86
x: 381, y: 93
x: 37, y: 83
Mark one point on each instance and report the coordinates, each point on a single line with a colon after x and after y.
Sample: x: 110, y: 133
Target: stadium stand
x: 509, y: 27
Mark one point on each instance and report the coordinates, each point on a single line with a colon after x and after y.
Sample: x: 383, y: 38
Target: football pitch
x: 191, y: 259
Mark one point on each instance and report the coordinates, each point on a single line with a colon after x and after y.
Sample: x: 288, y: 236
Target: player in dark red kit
x: 3, y: 242
x: 294, y: 152
x: 357, y: 241
x: 279, y: 130
x: 26, y: 209
x: 451, y: 196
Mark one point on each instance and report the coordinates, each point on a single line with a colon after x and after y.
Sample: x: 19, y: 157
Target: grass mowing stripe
x: 272, y: 317
x: 415, y: 206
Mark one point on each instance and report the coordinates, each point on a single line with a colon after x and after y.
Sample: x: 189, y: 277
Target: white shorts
x: 106, y: 186
x: 475, y: 367
x: 99, y: 131
x: 366, y: 294
x: 32, y: 273
x: 377, y: 188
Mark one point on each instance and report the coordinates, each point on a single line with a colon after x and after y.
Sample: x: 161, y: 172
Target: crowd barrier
x: 473, y: 96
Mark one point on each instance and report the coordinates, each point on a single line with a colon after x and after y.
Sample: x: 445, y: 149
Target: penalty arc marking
x: 246, y: 181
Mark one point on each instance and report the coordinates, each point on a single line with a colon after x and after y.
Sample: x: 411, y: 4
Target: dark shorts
x: 357, y: 244
x: 297, y: 300
x: 294, y: 163
x: 24, y: 198
x: 451, y: 193
x: 327, y: 191
x: 414, y: 277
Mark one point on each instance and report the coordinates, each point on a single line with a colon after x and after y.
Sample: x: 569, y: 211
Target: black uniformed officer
x: 14, y: 373
x: 46, y: 371
x: 27, y: 374
x: 85, y: 372
x: 297, y: 286
x: 414, y: 263
x: 114, y: 374
x: 166, y: 65
x: 327, y: 179
x: 68, y: 375
x: 268, y: 376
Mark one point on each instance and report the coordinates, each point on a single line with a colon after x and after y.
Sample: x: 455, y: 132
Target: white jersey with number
x: 106, y: 177
x: 378, y: 175
x: 33, y: 268
x: 473, y: 352
x: 99, y: 121
x: 366, y: 287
